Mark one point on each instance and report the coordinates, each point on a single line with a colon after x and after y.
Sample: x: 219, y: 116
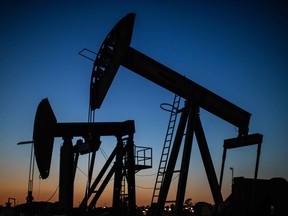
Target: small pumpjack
x: 126, y: 164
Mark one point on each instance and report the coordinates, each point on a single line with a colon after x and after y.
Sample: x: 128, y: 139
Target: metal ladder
x: 166, y: 146
x: 123, y: 193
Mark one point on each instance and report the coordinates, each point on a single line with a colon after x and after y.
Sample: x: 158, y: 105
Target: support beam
x: 222, y: 167
x: 208, y: 164
x: 99, y: 177
x: 118, y: 176
x: 185, y: 88
x: 193, y: 114
x: 257, y: 160
x: 131, y: 175
x: 97, y: 128
x: 101, y: 188
x: 66, y: 186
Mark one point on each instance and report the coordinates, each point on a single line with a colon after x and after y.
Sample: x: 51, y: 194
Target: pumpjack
x: 127, y: 159
x: 116, y: 51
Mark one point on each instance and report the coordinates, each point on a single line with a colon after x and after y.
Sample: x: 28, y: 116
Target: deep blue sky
x: 237, y: 49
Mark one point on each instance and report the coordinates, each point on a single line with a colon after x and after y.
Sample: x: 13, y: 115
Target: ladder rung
x: 165, y: 153
x: 170, y: 201
x: 168, y: 137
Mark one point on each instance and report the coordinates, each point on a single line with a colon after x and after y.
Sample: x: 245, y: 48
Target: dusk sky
x: 237, y: 49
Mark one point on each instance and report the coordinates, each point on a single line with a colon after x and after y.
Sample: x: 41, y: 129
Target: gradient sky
x: 237, y: 49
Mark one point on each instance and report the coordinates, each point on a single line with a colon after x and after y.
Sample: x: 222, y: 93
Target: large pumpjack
x: 116, y: 51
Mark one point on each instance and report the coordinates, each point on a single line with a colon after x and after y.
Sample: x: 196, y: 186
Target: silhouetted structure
x: 116, y: 51
x: 248, y: 196
x: 46, y: 128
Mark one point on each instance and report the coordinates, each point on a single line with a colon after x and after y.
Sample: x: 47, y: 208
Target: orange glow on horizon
x: 143, y: 196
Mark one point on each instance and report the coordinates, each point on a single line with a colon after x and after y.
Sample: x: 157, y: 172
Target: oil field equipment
x: 248, y: 196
